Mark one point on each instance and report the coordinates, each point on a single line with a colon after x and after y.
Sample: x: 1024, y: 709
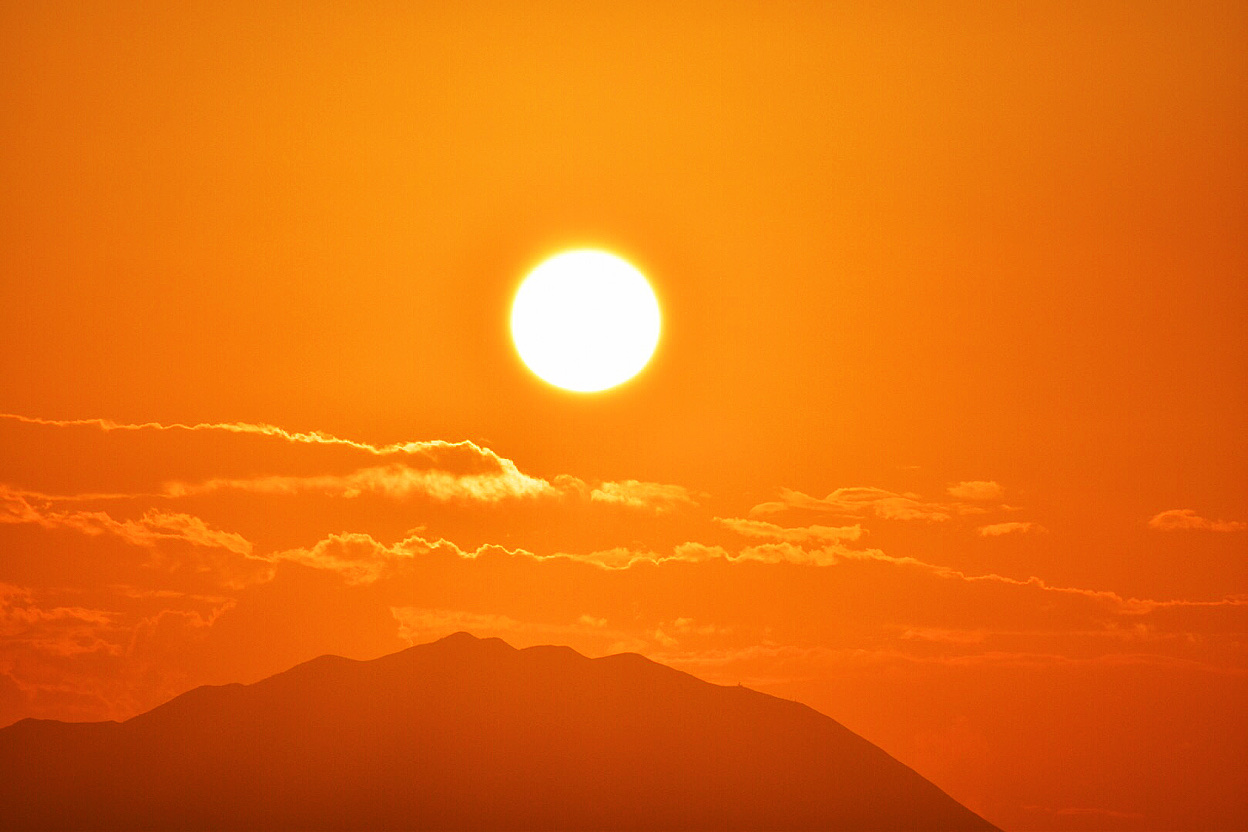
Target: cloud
x: 453, y: 471
x: 427, y: 448
x: 1125, y: 605
x: 691, y: 552
x: 790, y: 553
x: 663, y: 638
x: 1185, y: 519
x: 833, y: 554
x: 148, y: 531
x: 805, y: 534
x: 646, y: 495
x: 357, y: 558
x: 998, y: 529
x: 360, y: 559
x: 57, y: 630
x: 619, y: 557
x: 862, y: 501
x: 625, y: 557
x: 80, y: 662
x: 397, y: 481
x: 977, y: 490
x: 438, y: 470
x: 176, y: 542
x: 688, y: 626
x: 944, y: 636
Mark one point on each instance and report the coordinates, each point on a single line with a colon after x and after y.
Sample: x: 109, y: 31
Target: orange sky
x: 946, y: 436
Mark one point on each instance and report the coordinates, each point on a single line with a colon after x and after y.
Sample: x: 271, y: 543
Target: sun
x: 585, y: 320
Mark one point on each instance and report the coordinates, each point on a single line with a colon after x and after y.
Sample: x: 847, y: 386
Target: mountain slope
x: 466, y: 733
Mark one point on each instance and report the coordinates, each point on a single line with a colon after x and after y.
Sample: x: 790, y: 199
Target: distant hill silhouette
x: 466, y: 733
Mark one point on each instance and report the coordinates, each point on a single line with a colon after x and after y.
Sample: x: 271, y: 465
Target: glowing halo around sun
x: 585, y: 320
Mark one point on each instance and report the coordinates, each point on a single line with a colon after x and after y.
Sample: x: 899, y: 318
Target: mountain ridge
x: 466, y: 733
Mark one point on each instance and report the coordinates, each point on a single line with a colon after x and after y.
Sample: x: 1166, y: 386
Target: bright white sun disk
x: 585, y: 320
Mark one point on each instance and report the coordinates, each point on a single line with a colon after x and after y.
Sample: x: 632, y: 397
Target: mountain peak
x: 459, y: 636
x: 465, y: 641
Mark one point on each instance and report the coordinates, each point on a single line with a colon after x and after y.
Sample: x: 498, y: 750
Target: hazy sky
x: 946, y: 435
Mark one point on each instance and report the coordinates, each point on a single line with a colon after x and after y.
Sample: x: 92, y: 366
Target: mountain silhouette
x: 466, y: 733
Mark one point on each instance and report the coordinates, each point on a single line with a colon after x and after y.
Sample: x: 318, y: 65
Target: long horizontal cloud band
x: 359, y: 558
x: 438, y: 470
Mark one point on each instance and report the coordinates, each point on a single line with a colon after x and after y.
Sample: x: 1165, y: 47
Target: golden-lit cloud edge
x: 447, y: 471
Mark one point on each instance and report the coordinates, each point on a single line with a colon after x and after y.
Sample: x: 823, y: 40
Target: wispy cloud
x: 152, y: 528
x: 464, y: 471
x: 176, y: 542
x: 1185, y: 519
x: 803, y: 534
x: 438, y: 470
x: 942, y: 635
x: 395, y: 480
x: 399, y: 481
x: 654, y: 496
x: 865, y: 501
x: 55, y: 630
x: 95, y: 660
x: 361, y: 559
x: 977, y: 490
x: 315, y: 437
x: 998, y: 529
